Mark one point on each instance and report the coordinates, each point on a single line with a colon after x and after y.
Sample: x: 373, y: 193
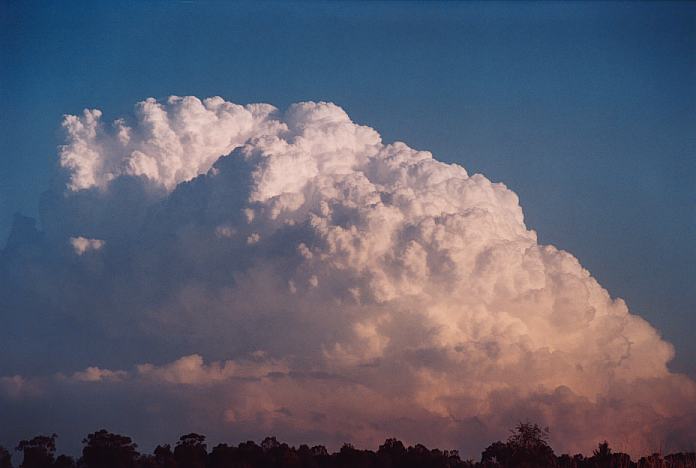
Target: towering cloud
x: 288, y: 272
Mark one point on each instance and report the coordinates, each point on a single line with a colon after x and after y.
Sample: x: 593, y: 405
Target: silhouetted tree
x: 106, y: 450
x: 651, y: 461
x: 223, y: 456
x: 526, y: 447
x: 164, y: 457
x: 308, y: 459
x: 250, y: 453
x: 391, y: 453
x: 279, y: 454
x: 320, y: 455
x: 496, y: 454
x: 38, y: 452
x: 566, y: 461
x: 191, y: 451
x: 319, y: 451
x: 5, y: 458
x: 603, y: 457
x: 602, y: 454
x: 269, y: 443
x: 351, y: 457
x: 64, y: 461
x: 681, y: 460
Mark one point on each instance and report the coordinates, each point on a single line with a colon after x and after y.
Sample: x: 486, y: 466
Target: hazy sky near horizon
x: 586, y: 110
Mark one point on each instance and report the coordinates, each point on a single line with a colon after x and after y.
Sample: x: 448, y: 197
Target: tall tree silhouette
x: 106, y: 450
x: 190, y: 451
x: 527, y: 447
x: 64, y: 461
x: 602, y: 452
x: 5, y: 458
x: 164, y: 457
x: 38, y: 452
x: 279, y: 453
x: 223, y: 456
x: 391, y: 453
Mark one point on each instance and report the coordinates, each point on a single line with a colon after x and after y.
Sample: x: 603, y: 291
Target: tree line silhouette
x: 527, y: 447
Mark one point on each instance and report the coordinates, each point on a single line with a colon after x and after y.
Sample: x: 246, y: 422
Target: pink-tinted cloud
x: 338, y: 287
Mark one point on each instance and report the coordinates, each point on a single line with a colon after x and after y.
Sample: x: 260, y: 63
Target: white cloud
x: 81, y: 245
x: 172, y: 142
x: 16, y: 386
x: 225, y: 231
x: 191, y: 370
x: 95, y: 374
x: 391, y: 293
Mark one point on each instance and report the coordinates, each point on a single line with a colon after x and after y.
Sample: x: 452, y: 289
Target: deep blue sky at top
x: 586, y: 110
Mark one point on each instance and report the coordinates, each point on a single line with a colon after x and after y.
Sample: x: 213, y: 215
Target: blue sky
x: 586, y: 110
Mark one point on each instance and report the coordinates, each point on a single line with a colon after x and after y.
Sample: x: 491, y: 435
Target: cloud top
x: 170, y: 143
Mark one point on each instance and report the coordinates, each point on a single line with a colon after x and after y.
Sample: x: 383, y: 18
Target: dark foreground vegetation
x: 527, y: 447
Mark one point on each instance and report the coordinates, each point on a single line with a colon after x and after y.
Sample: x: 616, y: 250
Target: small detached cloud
x: 16, y: 386
x: 82, y: 245
x: 191, y: 370
x: 95, y: 374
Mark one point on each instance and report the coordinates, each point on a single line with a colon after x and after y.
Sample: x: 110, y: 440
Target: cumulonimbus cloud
x: 341, y: 288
